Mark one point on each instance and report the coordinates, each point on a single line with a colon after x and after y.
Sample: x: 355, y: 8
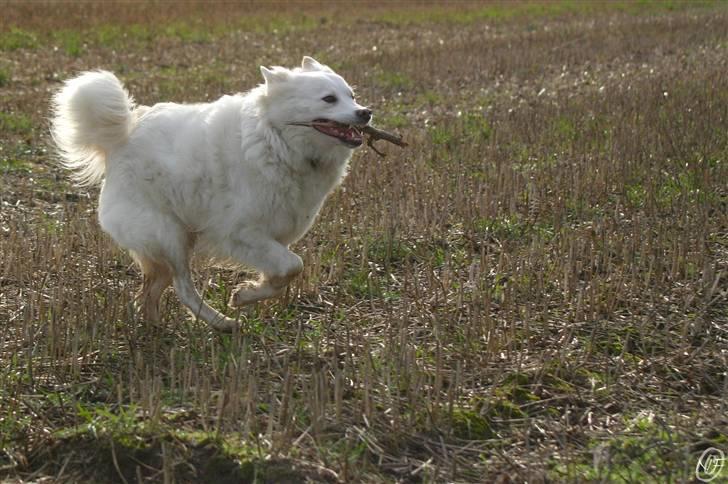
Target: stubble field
x: 535, y: 289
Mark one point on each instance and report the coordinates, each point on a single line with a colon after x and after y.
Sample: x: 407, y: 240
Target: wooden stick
x: 375, y: 134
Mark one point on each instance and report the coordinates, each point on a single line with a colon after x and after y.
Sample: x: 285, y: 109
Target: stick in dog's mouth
x: 373, y: 134
x: 349, y: 134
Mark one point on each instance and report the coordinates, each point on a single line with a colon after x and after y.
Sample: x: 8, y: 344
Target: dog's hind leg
x: 157, y: 277
x: 177, y: 254
x: 189, y: 296
x: 162, y: 247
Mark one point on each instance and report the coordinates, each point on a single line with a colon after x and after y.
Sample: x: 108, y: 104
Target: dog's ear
x: 275, y: 75
x: 311, y: 64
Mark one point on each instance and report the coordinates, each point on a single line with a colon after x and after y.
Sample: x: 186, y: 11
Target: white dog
x: 240, y: 178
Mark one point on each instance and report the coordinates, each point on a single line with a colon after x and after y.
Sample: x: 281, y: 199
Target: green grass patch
x: 207, y: 457
x: 564, y: 129
x: 70, y: 41
x: 137, y: 35
x: 195, y: 31
x: 514, y: 228
x: 390, y: 251
x: 394, y: 120
x: 4, y: 77
x: 511, y: 11
x: 456, y: 136
x: 515, y: 389
x: 394, y: 80
x: 636, y: 194
x: 470, y: 425
x: 441, y: 136
x: 647, y: 451
x: 187, y: 32
x: 475, y: 127
x: 430, y: 97
x: 17, y: 38
x: 15, y: 123
x: 12, y: 165
x: 363, y: 284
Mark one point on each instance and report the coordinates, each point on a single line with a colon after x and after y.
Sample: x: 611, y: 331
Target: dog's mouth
x: 349, y: 134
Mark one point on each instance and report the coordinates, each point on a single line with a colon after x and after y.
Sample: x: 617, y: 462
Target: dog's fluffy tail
x: 92, y: 115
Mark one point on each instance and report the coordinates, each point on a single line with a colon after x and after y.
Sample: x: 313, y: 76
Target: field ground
x: 534, y: 290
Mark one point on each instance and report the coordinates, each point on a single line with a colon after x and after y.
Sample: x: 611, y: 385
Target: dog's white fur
x: 232, y: 178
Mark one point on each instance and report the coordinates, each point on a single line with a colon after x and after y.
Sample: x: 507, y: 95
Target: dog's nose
x: 364, y: 114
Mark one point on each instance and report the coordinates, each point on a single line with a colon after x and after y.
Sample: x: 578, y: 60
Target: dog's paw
x: 244, y: 294
x: 250, y: 292
x: 146, y: 310
x: 225, y: 325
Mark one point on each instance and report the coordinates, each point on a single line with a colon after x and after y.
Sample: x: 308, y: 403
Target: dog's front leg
x: 278, y: 267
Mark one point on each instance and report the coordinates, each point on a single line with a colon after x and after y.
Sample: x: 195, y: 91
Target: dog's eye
x: 330, y: 99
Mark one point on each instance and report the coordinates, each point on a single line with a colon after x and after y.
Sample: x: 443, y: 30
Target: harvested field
x: 534, y: 290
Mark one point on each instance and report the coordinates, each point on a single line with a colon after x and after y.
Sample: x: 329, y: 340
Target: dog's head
x: 314, y: 97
